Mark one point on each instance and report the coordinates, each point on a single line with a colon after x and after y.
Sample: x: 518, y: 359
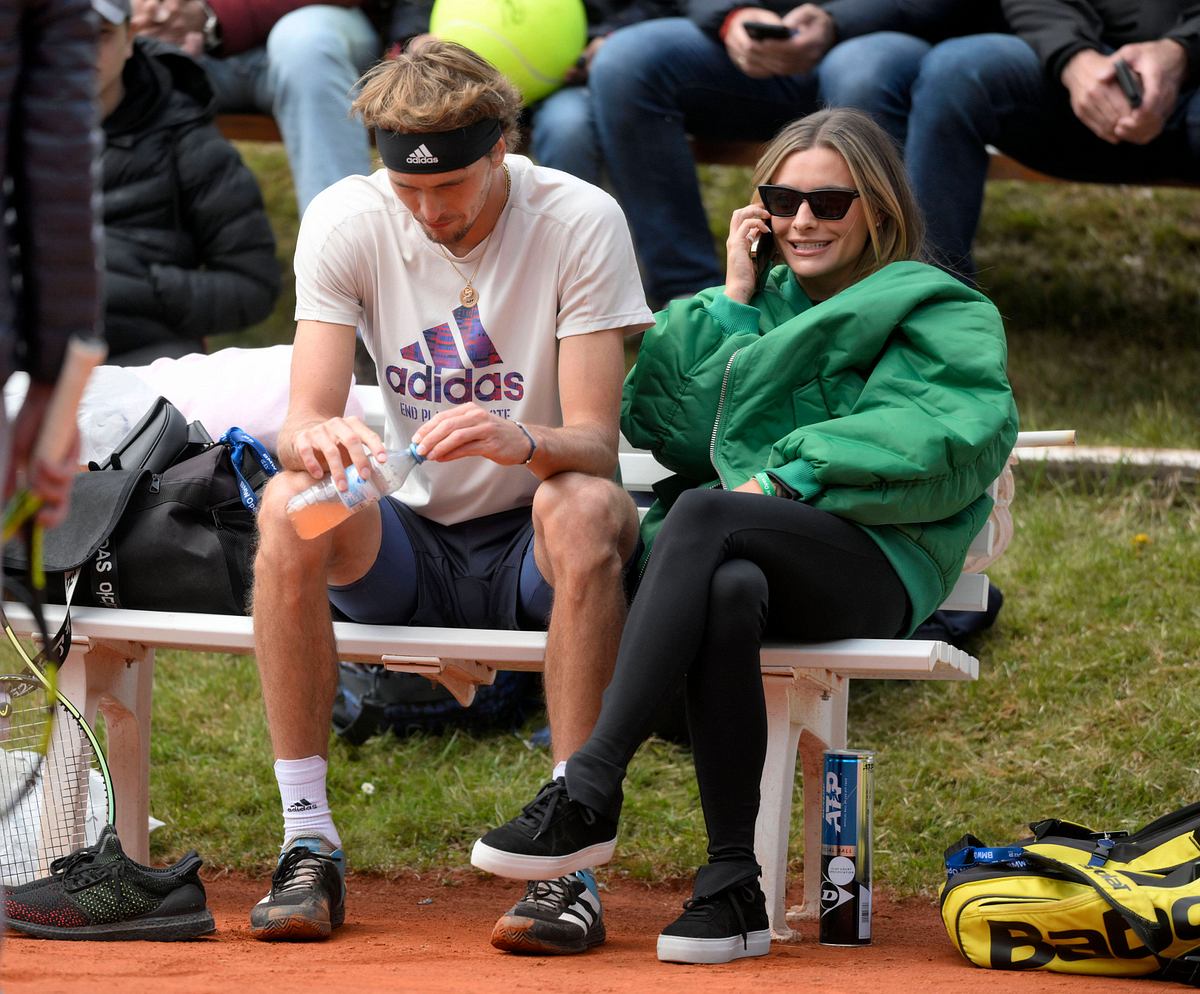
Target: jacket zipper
x: 712, y: 445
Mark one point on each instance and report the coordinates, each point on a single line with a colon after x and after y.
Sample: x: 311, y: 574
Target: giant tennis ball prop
x: 533, y: 42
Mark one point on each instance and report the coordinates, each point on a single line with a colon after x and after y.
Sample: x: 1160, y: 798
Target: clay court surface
x: 429, y: 934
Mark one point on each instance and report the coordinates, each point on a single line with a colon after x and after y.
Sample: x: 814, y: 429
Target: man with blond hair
x: 494, y: 297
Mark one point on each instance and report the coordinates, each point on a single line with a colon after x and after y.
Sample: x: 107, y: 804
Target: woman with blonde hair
x: 833, y: 414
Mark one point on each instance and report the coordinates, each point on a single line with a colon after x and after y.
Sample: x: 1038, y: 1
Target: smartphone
x: 1130, y: 83
x: 766, y: 31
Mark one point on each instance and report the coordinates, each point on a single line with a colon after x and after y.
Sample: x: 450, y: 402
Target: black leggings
x: 727, y: 570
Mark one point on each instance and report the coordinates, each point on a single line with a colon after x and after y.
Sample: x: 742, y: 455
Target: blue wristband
x: 532, y: 443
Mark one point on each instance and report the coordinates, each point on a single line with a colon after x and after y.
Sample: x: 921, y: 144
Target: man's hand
x: 179, y: 22
x: 577, y: 75
x: 49, y: 482
x: 812, y: 37
x: 469, y: 430
x: 1162, y: 66
x: 330, y: 446
x: 1096, y: 98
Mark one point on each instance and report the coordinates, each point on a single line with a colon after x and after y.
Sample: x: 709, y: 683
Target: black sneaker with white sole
x: 551, y: 837
x: 307, y: 899
x: 725, y: 926
x: 555, y: 917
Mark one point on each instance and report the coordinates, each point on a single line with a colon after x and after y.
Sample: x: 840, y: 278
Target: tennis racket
x: 52, y: 769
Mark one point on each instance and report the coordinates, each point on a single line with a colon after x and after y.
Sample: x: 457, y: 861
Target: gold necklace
x: 469, y: 296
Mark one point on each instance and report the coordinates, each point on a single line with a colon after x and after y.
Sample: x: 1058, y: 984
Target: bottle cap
x: 412, y: 451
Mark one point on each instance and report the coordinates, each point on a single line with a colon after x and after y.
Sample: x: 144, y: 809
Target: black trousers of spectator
x: 727, y: 570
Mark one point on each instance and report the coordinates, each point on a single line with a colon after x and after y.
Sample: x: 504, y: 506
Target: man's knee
x: 863, y: 72
x: 644, y: 58
x: 308, y: 42
x: 965, y: 68
x: 580, y: 517
x: 280, y: 548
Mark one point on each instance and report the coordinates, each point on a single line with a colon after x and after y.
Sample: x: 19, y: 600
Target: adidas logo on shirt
x: 421, y: 156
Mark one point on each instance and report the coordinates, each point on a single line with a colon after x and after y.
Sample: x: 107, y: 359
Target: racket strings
x: 51, y: 820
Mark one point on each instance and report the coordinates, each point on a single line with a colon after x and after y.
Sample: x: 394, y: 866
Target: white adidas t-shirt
x: 559, y: 263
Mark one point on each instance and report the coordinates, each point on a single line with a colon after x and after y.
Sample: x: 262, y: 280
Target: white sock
x: 560, y: 769
x: 305, y: 807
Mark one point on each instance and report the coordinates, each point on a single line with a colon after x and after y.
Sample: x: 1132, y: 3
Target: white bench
x: 110, y: 670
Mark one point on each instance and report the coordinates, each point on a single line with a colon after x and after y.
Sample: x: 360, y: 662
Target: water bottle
x: 322, y: 506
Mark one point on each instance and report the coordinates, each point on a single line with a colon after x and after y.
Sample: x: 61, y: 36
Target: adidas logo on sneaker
x: 421, y: 156
x: 304, y: 804
x: 554, y: 917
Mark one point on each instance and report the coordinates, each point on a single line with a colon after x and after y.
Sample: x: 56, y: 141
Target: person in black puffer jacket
x: 188, y: 248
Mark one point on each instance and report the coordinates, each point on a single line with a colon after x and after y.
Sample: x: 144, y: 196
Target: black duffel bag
x: 166, y: 524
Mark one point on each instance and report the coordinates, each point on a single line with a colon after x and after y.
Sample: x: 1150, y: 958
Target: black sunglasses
x: 828, y: 205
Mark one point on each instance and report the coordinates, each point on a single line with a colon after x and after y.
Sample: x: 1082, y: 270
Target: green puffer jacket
x: 887, y: 405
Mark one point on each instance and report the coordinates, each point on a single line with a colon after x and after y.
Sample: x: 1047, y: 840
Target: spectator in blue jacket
x: 1049, y: 96
x: 653, y: 84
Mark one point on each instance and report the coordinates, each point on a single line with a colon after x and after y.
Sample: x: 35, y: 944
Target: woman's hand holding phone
x: 748, y: 227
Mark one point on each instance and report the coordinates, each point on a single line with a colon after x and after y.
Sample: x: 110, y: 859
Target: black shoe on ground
x: 307, y: 899
x: 726, y: 926
x: 551, y: 837
x: 554, y: 917
x: 99, y: 893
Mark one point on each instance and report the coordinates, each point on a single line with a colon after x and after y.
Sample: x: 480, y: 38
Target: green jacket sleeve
x: 670, y: 394
x: 931, y: 429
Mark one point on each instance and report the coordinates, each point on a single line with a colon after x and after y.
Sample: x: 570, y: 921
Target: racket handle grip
x: 58, y: 429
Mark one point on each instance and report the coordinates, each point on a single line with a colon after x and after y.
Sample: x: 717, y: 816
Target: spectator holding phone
x: 1101, y: 90
x: 712, y: 76
x: 861, y: 410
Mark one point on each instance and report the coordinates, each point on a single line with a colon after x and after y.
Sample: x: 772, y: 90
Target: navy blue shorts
x: 475, y: 574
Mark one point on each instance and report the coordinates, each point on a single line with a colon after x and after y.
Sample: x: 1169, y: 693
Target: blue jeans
x: 656, y: 82
x: 564, y: 134
x: 304, y: 77
x: 990, y: 90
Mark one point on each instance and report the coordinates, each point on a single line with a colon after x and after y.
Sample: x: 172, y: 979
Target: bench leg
x: 825, y: 729
x: 808, y: 717
x: 773, y: 828
x: 117, y: 680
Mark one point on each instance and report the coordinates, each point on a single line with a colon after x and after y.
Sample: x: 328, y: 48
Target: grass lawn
x: 1086, y: 706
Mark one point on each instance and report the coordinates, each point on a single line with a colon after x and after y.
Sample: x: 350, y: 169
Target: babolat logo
x: 447, y: 376
x: 1017, y: 945
x: 421, y: 156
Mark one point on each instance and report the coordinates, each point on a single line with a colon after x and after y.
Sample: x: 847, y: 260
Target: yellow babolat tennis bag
x: 1073, y: 900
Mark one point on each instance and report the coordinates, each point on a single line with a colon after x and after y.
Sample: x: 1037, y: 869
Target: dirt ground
x: 430, y: 934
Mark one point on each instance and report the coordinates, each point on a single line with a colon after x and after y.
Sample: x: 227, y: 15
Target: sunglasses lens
x: 780, y: 201
x: 830, y: 205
